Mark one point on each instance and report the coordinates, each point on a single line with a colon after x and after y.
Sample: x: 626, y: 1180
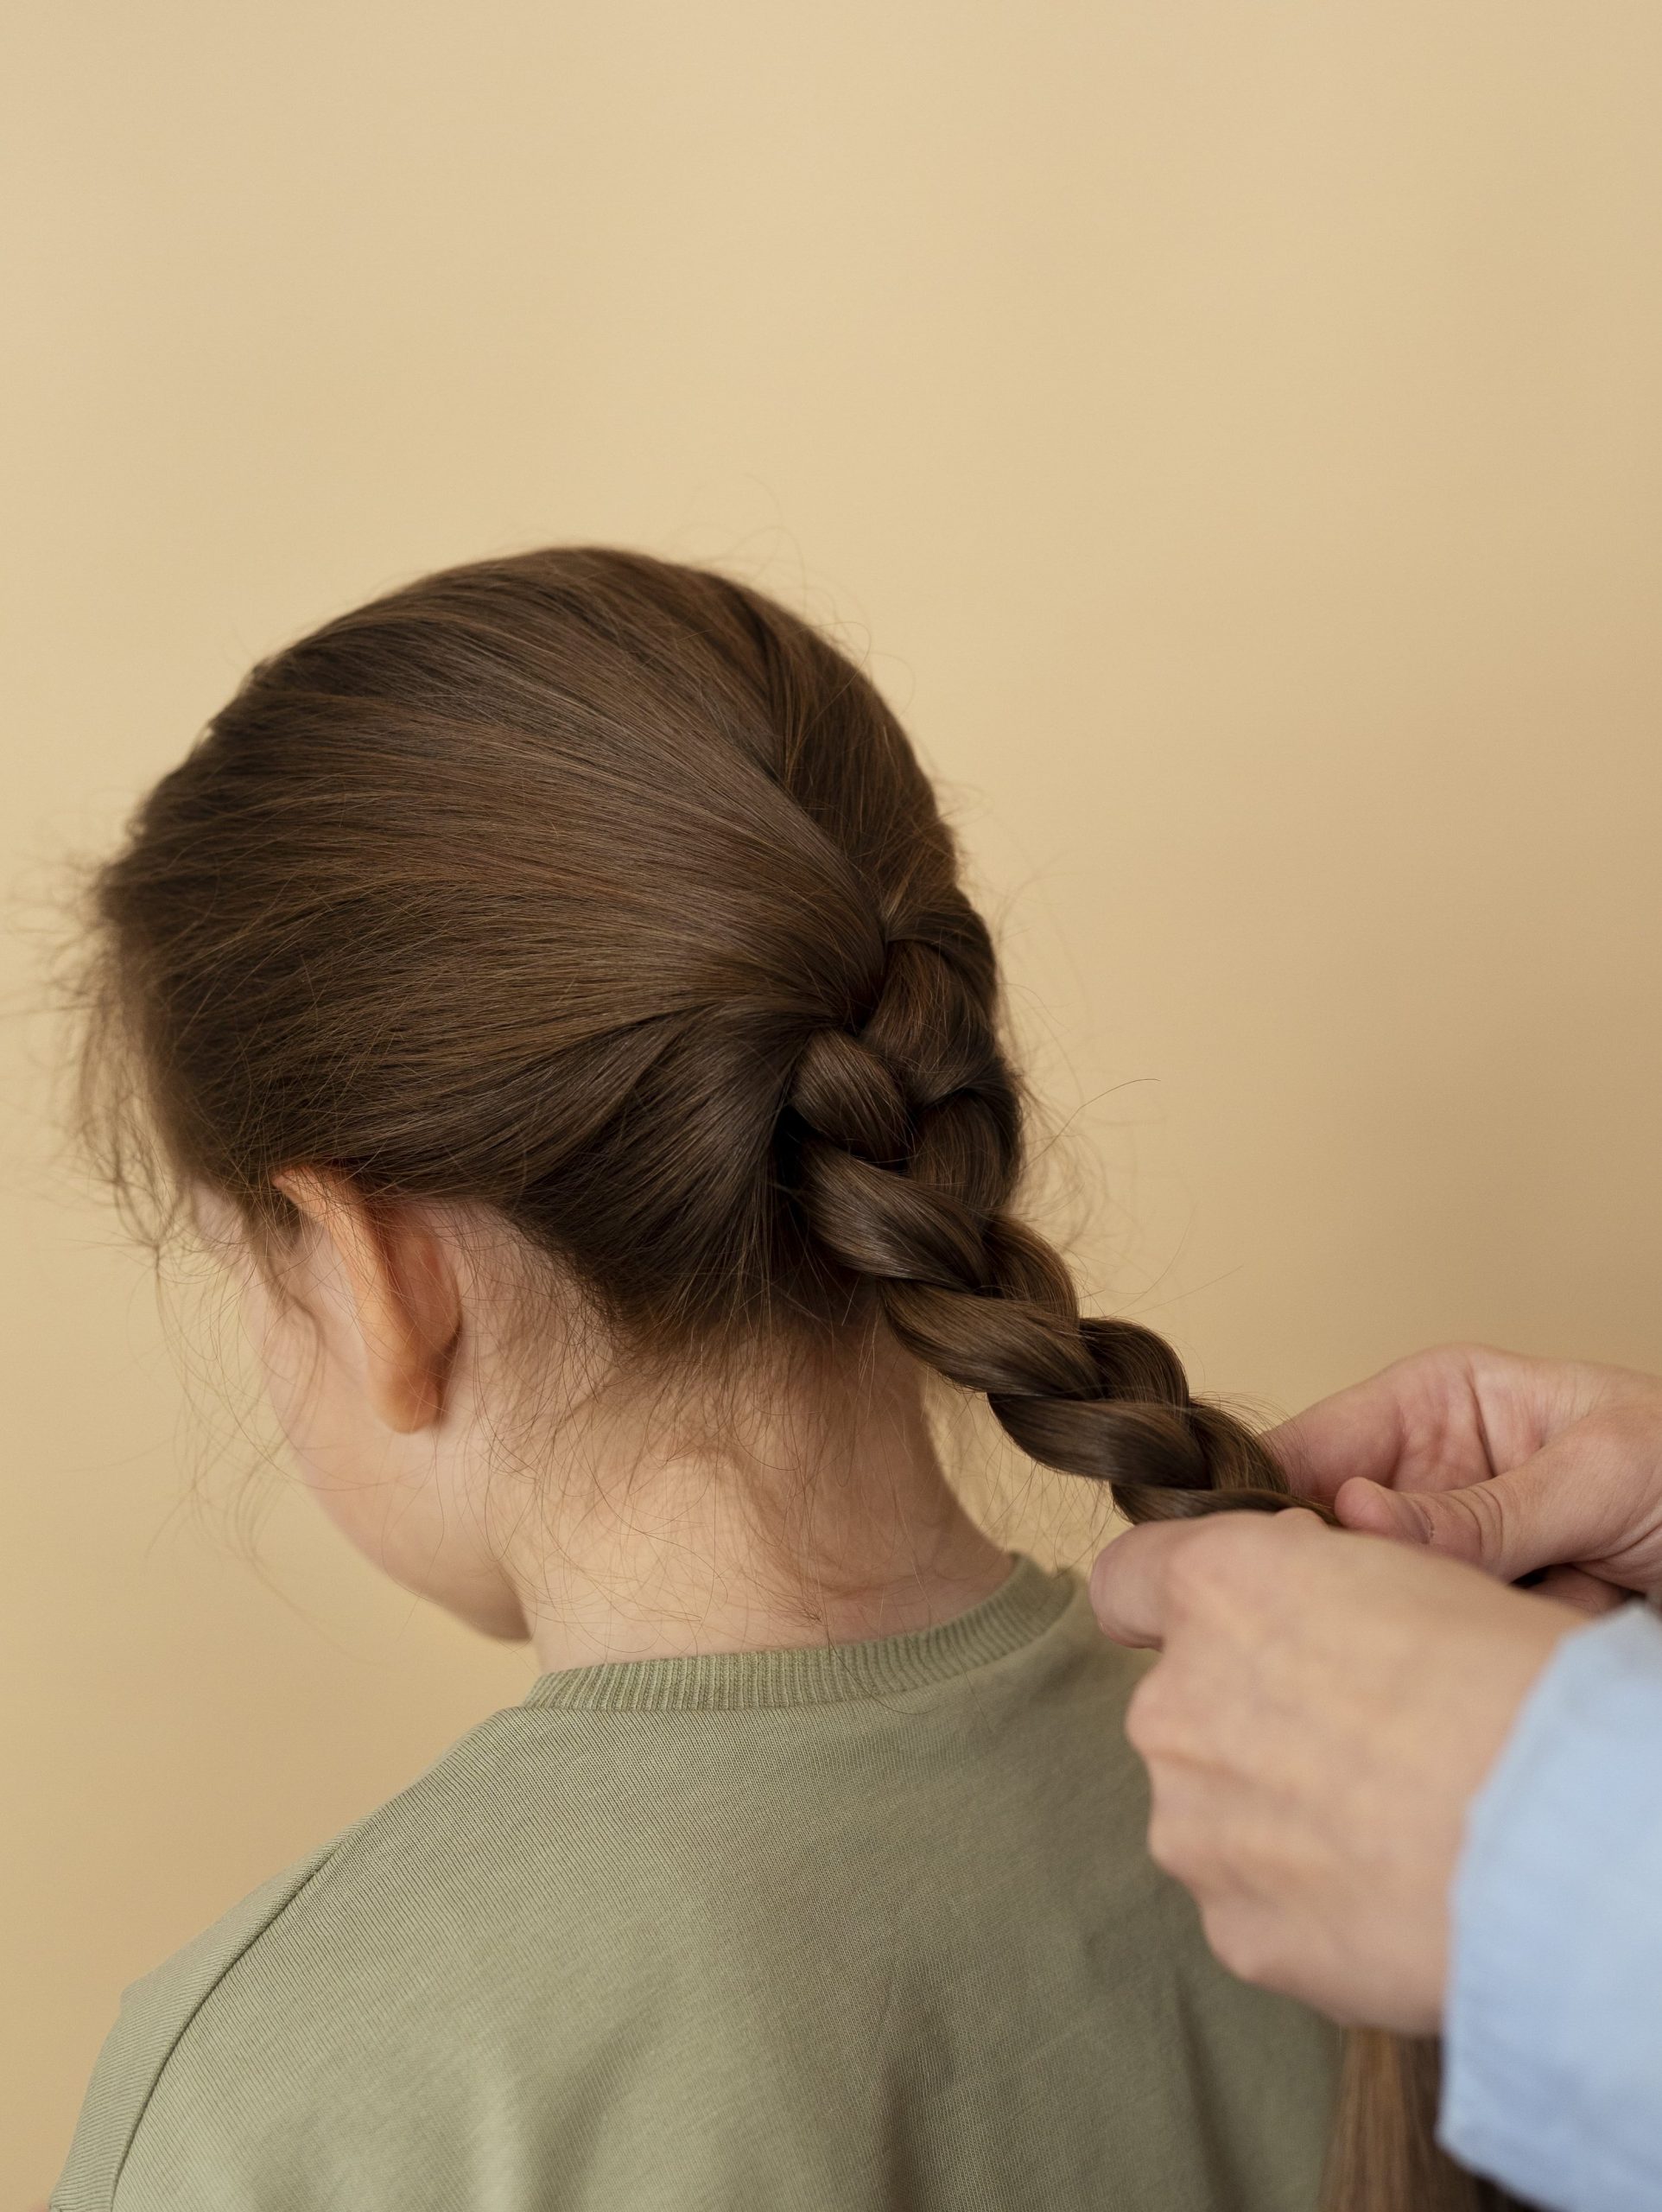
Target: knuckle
x: 1634, y: 1434
x: 1210, y: 1567
x: 1237, y: 1569
x: 1163, y: 1845
x: 1240, y: 1939
x: 1474, y: 1521
x: 1176, y: 1846
x: 1151, y: 1719
x: 1462, y: 1351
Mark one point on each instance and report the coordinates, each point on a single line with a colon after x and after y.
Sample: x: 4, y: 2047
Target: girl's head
x: 590, y: 917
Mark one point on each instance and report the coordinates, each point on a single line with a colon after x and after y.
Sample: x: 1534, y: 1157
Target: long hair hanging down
x: 604, y: 893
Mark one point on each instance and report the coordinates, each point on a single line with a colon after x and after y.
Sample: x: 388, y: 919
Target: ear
x: 405, y: 1291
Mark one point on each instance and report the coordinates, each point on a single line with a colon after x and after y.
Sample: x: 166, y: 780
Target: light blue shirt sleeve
x: 1552, y: 2051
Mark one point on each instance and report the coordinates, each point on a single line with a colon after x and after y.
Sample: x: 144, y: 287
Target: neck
x: 822, y: 1516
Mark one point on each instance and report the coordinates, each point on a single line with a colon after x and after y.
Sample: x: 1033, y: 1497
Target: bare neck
x: 822, y: 1516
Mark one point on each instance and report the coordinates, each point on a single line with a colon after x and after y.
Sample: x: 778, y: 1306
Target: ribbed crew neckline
x: 1023, y: 1606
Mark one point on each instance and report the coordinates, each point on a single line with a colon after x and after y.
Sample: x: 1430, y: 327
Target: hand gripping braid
x: 909, y: 1148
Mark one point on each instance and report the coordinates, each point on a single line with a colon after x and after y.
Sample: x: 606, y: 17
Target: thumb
x: 1533, y: 1516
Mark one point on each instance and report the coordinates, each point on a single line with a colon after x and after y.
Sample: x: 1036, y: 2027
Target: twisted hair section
x: 908, y: 1151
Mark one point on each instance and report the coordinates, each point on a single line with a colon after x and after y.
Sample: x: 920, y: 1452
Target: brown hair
x: 605, y: 893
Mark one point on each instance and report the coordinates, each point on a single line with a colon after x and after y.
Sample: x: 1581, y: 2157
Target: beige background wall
x: 1232, y: 424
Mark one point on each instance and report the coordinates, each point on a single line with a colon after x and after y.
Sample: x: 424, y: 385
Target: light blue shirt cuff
x: 1552, y: 2052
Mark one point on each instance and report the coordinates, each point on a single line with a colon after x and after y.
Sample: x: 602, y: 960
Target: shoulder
x: 155, y: 2013
x: 261, y: 1980
x: 567, y: 1892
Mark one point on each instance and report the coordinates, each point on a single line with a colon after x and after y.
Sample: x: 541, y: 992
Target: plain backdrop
x: 1228, y: 429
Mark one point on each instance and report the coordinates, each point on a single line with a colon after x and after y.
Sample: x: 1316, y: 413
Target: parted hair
x: 605, y: 894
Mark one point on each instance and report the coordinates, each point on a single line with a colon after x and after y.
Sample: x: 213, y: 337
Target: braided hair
x: 636, y: 888
x: 604, y: 893
x: 908, y: 1148
x: 902, y: 1131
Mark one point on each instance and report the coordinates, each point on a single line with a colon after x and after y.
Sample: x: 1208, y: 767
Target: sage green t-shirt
x: 820, y: 1930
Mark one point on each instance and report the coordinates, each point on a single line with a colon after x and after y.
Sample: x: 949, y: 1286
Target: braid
x: 908, y: 1147
x: 615, y: 902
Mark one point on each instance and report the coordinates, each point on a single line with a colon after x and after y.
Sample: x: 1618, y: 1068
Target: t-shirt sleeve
x: 154, y: 2014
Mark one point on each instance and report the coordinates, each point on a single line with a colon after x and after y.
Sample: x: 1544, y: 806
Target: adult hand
x: 1508, y: 1463
x: 1323, y: 1710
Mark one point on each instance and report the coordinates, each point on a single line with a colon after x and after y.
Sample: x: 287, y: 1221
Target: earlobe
x: 404, y: 1293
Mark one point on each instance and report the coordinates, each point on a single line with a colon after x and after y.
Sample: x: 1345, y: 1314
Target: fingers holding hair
x: 1151, y: 1579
